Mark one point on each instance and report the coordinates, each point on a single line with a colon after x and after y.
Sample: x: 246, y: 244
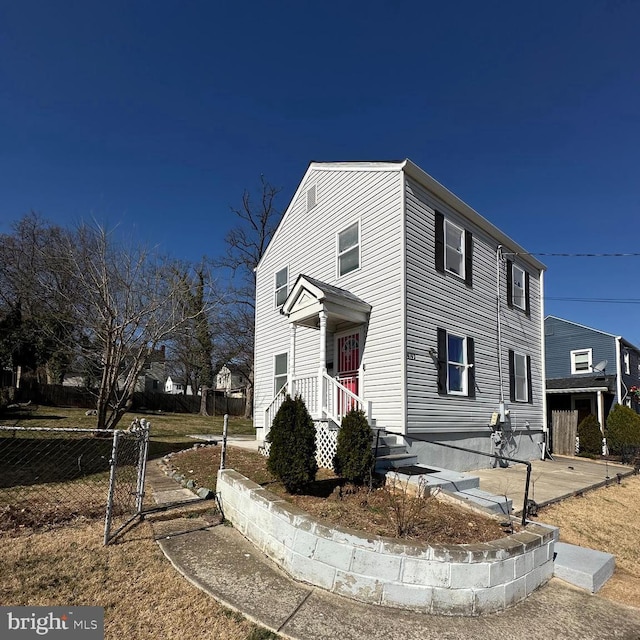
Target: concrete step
x: 484, y: 500
x: 390, y: 449
x: 394, y: 460
x: 444, y: 479
x: 582, y: 567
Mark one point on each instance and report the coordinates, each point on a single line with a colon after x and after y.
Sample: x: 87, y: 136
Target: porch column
x: 322, y: 315
x: 292, y: 358
x: 601, y: 411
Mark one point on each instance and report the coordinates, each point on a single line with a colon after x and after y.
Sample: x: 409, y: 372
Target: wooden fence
x: 564, y: 429
x: 58, y: 395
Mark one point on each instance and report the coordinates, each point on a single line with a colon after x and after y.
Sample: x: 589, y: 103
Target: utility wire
x: 575, y: 255
x: 599, y: 300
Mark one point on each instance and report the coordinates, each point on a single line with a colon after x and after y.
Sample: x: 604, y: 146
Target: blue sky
x: 157, y: 115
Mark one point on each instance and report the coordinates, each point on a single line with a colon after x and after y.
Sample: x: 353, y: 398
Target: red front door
x: 348, y: 365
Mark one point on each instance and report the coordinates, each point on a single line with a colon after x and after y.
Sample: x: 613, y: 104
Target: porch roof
x: 582, y: 384
x: 310, y: 296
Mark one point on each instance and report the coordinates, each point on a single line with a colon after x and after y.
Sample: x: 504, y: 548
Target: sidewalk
x: 218, y: 560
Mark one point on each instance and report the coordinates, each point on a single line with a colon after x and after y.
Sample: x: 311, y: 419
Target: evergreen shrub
x: 354, y: 458
x: 623, y: 429
x: 292, y: 456
x: 590, y: 437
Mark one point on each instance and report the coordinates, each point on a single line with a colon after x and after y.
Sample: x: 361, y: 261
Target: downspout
x: 499, y: 328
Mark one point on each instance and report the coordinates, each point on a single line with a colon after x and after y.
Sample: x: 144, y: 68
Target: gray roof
x: 582, y: 382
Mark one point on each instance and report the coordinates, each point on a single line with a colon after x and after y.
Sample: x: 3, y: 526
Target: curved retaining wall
x: 468, y: 579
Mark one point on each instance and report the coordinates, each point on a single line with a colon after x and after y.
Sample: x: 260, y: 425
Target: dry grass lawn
x: 607, y: 520
x: 142, y: 594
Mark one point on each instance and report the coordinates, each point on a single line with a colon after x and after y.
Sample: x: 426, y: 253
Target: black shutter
x: 529, y: 382
x: 442, y: 362
x: 527, y: 300
x: 471, y: 370
x: 439, y: 242
x: 512, y: 376
x: 468, y: 258
x: 509, y: 283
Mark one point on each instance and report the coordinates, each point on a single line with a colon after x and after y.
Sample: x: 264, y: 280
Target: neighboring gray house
x: 588, y: 370
x: 382, y: 290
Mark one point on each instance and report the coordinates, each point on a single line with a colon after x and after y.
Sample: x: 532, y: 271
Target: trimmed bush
x: 354, y: 458
x: 292, y: 456
x: 590, y: 437
x: 623, y: 429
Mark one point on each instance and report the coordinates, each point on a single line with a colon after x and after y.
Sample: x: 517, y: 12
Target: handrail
x: 348, y: 398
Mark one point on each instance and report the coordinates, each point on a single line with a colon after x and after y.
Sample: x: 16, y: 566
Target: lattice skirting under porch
x: 326, y: 443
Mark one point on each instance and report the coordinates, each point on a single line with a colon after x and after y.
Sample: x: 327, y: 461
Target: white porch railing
x: 334, y: 401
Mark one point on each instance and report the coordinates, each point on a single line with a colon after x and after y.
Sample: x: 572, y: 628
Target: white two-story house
x: 383, y: 290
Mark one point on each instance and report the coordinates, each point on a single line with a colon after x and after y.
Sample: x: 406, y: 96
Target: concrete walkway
x: 220, y: 561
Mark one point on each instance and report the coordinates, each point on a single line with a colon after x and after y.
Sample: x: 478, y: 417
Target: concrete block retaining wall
x: 469, y: 579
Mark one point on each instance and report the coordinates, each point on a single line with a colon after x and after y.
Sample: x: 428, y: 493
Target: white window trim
x: 464, y: 364
x: 462, y: 274
x: 275, y: 375
x: 276, y: 289
x: 573, y: 361
x: 339, y: 254
x: 514, y: 298
x: 627, y: 363
x: 523, y: 356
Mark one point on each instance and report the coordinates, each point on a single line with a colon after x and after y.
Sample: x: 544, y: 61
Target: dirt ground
x: 376, y: 512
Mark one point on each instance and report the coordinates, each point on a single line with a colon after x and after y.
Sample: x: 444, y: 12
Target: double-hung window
x: 280, y: 370
x: 349, y: 249
x: 454, y: 249
x: 581, y: 361
x: 518, y: 287
x: 520, y: 385
x: 282, y: 280
x: 455, y: 364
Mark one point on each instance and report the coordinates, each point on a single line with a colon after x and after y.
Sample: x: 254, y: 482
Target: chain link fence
x: 52, y: 476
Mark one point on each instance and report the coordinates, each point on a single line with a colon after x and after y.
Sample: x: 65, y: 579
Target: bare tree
x: 130, y: 301
x: 258, y: 219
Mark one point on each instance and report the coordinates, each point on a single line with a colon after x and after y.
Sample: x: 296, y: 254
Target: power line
x: 598, y: 300
x: 577, y: 255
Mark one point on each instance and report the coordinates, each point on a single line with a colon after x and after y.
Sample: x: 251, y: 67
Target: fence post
x: 143, y: 444
x: 223, y: 454
x: 112, y: 485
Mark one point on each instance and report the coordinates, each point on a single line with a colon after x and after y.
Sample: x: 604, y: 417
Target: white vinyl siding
x: 454, y: 248
x: 433, y: 301
x: 281, y: 286
x: 518, y: 288
x: 581, y: 360
x: 349, y: 249
x: 308, y: 245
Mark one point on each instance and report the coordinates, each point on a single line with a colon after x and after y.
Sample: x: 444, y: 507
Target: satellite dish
x: 601, y: 366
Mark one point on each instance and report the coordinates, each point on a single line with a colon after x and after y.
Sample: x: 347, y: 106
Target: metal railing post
x: 525, y: 507
x: 143, y: 443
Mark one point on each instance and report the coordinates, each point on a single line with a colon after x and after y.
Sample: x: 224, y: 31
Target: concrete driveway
x: 551, y: 480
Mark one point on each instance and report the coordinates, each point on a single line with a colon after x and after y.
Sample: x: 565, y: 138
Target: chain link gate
x: 128, y: 465
x: 51, y: 476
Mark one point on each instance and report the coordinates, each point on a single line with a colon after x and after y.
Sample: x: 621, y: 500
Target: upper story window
x: 581, y: 361
x: 349, y: 249
x: 627, y: 364
x: 454, y: 249
x: 518, y: 287
x: 455, y: 364
x: 282, y: 280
